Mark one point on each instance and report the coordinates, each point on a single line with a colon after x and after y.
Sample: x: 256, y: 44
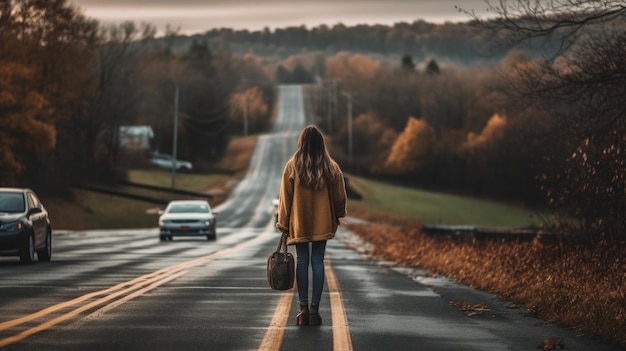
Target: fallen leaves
x: 471, y: 309
x: 572, y: 285
x: 552, y: 343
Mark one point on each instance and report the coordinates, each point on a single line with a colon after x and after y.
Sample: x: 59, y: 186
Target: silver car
x: 167, y: 161
x: 187, y: 218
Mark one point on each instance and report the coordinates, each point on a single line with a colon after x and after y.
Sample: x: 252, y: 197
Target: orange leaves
x: 412, y: 149
x: 249, y: 104
x: 493, y: 131
x: 570, y: 284
x: 346, y: 67
x: 471, y: 309
x: 25, y: 123
x: 371, y: 134
x: 552, y: 343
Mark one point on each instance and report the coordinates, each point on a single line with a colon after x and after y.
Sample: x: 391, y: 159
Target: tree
x: 26, y: 128
x: 581, y: 85
x: 301, y: 76
x: 407, y: 63
x: 282, y: 75
x: 447, y: 98
x: 412, y: 150
x: 250, y: 102
x: 118, y: 94
x: 432, y: 67
x: 210, y: 82
x: 53, y: 44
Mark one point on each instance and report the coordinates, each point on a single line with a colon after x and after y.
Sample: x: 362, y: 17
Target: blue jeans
x: 302, y: 271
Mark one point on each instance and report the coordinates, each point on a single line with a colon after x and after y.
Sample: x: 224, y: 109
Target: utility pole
x: 349, y: 95
x: 320, y: 95
x: 335, y: 109
x: 175, y: 138
x: 330, y: 107
x: 245, y: 114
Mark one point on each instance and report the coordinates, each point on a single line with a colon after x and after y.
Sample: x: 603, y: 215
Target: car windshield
x: 188, y: 208
x: 11, y: 202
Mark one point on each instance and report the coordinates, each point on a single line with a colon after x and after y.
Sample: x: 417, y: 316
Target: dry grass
x: 239, y: 153
x: 575, y: 286
x: 91, y: 210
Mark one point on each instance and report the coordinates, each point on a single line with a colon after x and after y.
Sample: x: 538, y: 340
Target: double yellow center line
x: 109, y: 298
x: 124, y: 291
x: 341, y: 333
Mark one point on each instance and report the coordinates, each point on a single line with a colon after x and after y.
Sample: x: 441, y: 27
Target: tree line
x: 68, y: 83
x: 542, y: 129
x: 457, y: 42
x: 539, y: 129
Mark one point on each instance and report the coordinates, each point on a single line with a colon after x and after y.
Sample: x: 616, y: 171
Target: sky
x: 198, y: 16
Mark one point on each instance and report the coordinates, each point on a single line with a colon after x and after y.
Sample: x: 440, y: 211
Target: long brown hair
x: 313, y: 164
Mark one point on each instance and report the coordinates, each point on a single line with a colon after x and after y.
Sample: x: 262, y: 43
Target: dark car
x: 187, y: 218
x: 24, y: 226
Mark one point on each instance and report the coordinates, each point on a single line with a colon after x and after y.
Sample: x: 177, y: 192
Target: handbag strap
x: 282, y: 244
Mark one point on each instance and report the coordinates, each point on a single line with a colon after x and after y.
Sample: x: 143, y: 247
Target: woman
x: 312, y: 199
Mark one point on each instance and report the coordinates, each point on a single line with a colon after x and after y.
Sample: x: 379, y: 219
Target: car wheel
x: 27, y: 254
x: 45, y: 254
x: 212, y: 236
x: 162, y: 237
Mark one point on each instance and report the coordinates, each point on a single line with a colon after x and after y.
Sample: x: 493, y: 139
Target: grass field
x: 387, y: 201
x: 187, y: 181
x: 380, y: 201
x: 91, y: 210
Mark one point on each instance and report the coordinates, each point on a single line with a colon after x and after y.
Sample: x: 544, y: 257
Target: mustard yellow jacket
x: 307, y: 214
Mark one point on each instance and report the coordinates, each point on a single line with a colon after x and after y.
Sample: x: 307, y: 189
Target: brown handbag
x: 280, y: 267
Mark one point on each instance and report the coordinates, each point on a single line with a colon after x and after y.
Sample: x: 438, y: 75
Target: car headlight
x: 161, y: 222
x: 12, y: 227
x: 207, y: 223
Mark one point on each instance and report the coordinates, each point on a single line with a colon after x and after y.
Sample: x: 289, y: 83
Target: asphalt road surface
x: 126, y: 290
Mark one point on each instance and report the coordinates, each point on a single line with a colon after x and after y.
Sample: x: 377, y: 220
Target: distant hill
x: 459, y: 43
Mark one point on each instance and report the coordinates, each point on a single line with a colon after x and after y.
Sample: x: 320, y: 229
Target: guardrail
x: 168, y: 190
x: 489, y: 233
x: 155, y: 200
x: 109, y: 191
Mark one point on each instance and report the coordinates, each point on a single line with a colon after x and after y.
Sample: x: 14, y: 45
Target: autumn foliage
x: 412, y: 150
x: 517, y: 126
x: 576, y: 286
x: 541, y: 131
x: 68, y: 83
x: 454, y: 129
x: 27, y: 117
x: 249, y: 107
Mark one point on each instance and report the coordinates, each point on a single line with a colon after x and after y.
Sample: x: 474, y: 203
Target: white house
x: 135, y: 138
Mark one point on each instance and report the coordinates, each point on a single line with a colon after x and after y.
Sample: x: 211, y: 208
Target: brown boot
x: 314, y: 316
x: 303, y: 316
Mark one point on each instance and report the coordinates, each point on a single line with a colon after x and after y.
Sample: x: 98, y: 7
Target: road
x: 126, y: 290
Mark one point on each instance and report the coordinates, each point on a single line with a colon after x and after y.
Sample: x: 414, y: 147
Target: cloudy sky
x: 197, y: 16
